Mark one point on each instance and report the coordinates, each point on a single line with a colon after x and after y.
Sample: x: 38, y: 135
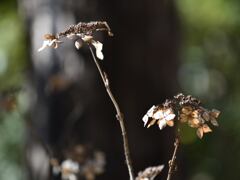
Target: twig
x: 119, y: 116
x: 172, y: 162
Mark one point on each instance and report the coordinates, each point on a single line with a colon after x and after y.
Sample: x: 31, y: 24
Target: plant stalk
x: 172, y: 162
x: 119, y: 116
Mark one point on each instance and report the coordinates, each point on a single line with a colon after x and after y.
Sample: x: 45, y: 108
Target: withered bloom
x: 188, y: 110
x: 83, y: 33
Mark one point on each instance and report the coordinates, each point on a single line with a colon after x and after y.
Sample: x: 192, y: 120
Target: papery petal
x: 145, y: 120
x: 151, y: 111
x: 170, y: 117
x: 183, y: 118
x: 44, y: 45
x: 98, y: 47
x: 195, y: 114
x: 162, y: 124
x: 158, y: 114
x: 170, y: 123
x: 187, y: 110
x: 206, y: 116
x: 215, y: 113
x: 214, y: 122
x: 194, y: 123
x: 78, y: 44
x: 206, y: 128
x: 200, y: 132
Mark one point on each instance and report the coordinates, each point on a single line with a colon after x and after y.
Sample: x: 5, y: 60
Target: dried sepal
x: 148, y: 115
x: 200, y: 132
x: 187, y: 110
x: 50, y: 41
x: 78, y: 43
x: 99, y: 46
x: 203, y: 129
x: 150, y: 173
x: 206, y: 128
x: 214, y: 122
x: 206, y: 116
x: 170, y: 123
x: 215, y: 113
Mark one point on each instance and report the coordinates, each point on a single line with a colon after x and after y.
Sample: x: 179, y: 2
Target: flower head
x: 189, y: 111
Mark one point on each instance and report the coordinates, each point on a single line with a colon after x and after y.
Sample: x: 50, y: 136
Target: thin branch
x: 172, y: 162
x: 119, y: 116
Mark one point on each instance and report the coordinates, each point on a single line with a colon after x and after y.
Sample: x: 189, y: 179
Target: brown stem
x: 172, y: 162
x: 119, y: 116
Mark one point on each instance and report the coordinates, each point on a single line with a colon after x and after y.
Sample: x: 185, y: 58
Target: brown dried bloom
x: 82, y: 32
x: 189, y: 111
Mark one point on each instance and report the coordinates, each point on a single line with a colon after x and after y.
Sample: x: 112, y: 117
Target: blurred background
x: 52, y: 102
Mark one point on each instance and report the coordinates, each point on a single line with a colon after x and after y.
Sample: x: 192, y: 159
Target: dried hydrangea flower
x: 83, y: 32
x: 189, y: 111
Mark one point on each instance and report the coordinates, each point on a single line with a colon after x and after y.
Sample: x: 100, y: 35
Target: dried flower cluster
x: 150, y: 173
x: 185, y: 109
x: 80, y: 164
x: 82, y: 33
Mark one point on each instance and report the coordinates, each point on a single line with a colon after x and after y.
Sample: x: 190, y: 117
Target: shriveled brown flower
x: 189, y: 111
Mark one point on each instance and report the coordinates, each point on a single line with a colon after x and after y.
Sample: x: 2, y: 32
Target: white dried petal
x: 98, y: 47
x: 158, y: 115
x: 78, y: 44
x: 45, y: 44
x: 49, y: 43
x: 169, y: 117
x: 151, y: 110
x: 70, y: 166
x: 162, y: 124
x: 145, y: 120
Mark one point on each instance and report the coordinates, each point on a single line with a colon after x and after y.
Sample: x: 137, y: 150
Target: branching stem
x: 119, y: 116
x: 172, y: 162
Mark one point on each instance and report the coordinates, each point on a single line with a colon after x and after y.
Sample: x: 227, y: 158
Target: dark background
x: 159, y: 48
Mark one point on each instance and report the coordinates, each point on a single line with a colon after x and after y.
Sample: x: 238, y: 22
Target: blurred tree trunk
x: 71, y: 105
